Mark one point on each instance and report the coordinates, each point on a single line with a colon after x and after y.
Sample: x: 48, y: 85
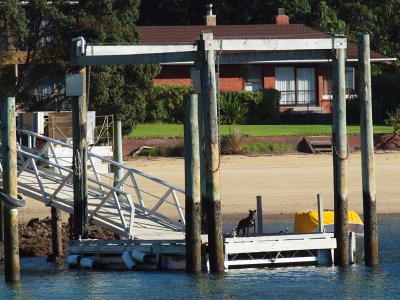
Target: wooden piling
x: 321, y: 224
x: 79, y: 117
x: 212, y: 155
x: 117, y: 151
x: 203, y: 184
x: 71, y: 227
x: 192, y: 185
x: 10, y: 213
x: 340, y: 155
x: 259, y: 215
x: 367, y: 153
x: 56, y: 232
x: 1, y: 221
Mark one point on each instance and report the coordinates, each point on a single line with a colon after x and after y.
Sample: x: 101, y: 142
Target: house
x: 305, y: 85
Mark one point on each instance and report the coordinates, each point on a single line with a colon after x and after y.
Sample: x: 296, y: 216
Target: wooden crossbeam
x: 273, y: 50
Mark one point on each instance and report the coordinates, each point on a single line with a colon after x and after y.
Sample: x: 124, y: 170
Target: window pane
x: 349, y: 78
x: 306, y: 86
x: 284, y: 82
x: 253, y: 79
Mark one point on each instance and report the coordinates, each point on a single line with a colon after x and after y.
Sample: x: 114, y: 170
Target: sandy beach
x: 287, y: 183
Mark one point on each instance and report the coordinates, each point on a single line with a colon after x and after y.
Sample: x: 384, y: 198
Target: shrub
x: 393, y: 119
x: 165, y: 103
x: 268, y: 109
x: 353, y: 110
x: 233, y: 109
x: 385, y: 95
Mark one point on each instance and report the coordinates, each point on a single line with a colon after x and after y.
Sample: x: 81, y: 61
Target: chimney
x: 209, y: 18
x: 282, y: 18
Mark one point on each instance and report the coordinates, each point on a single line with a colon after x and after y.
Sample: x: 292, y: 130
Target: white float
x: 128, y: 260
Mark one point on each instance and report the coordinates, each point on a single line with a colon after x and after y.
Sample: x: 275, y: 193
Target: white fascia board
x: 277, y: 44
x: 92, y: 50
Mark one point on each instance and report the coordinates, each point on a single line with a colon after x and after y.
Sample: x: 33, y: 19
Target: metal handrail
x: 13, y: 202
x: 106, y: 195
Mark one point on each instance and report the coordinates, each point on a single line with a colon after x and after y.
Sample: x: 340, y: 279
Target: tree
x: 52, y: 25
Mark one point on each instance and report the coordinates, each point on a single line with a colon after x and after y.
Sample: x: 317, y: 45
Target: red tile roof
x: 189, y: 34
x: 175, y: 35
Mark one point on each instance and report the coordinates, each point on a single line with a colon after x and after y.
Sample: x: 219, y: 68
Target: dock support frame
x: 340, y: 155
x: 79, y: 165
x: 192, y: 185
x: 367, y: 153
x: 211, y: 154
x: 10, y: 212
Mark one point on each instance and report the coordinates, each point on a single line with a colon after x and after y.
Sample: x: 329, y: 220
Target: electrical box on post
x: 73, y: 85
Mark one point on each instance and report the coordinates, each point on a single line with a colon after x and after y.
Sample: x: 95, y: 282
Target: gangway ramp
x: 139, y: 206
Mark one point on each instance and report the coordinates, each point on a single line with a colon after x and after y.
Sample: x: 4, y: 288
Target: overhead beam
x: 92, y: 50
x: 222, y: 44
x: 277, y: 44
x: 151, y: 58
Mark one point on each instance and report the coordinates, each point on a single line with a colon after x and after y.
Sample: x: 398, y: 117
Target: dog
x: 245, y: 224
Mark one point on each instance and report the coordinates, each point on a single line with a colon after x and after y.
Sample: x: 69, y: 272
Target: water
x: 42, y: 280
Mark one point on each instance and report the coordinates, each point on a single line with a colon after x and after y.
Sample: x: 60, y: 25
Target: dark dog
x: 246, y: 223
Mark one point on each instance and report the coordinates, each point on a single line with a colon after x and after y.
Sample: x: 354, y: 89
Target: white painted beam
x: 277, y: 44
x: 224, y: 45
x: 93, y: 50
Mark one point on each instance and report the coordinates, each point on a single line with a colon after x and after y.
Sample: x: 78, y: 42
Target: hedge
x: 165, y: 105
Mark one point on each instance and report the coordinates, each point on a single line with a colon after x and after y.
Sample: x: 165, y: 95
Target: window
x: 328, y: 83
x: 297, y: 85
x: 253, y: 79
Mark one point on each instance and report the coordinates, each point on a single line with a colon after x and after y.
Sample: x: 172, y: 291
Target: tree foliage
x: 52, y: 25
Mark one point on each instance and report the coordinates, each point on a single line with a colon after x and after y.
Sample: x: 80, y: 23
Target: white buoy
x: 88, y: 262
x: 73, y: 259
x: 138, y: 255
x: 128, y: 260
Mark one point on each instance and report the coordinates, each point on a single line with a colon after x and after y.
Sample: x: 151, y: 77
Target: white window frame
x: 287, y: 81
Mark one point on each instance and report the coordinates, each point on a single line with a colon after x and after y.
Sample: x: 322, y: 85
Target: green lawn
x: 175, y: 130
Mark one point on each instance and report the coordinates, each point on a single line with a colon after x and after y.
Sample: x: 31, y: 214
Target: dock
x: 240, y: 252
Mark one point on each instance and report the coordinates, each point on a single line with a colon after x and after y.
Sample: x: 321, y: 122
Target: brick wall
x: 231, y: 79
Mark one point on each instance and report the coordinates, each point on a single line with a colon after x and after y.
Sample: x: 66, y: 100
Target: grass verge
x: 176, y: 130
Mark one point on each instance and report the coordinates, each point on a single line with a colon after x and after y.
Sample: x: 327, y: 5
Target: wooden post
x: 192, y: 184
x: 10, y: 213
x: 1, y: 221
x: 340, y: 155
x: 203, y: 184
x: 71, y: 227
x: 367, y: 153
x: 321, y: 224
x: 212, y: 157
x: 259, y: 215
x: 117, y: 149
x: 56, y: 232
x: 79, y: 116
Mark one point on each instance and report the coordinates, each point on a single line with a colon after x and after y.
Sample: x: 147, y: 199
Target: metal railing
x: 45, y: 173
